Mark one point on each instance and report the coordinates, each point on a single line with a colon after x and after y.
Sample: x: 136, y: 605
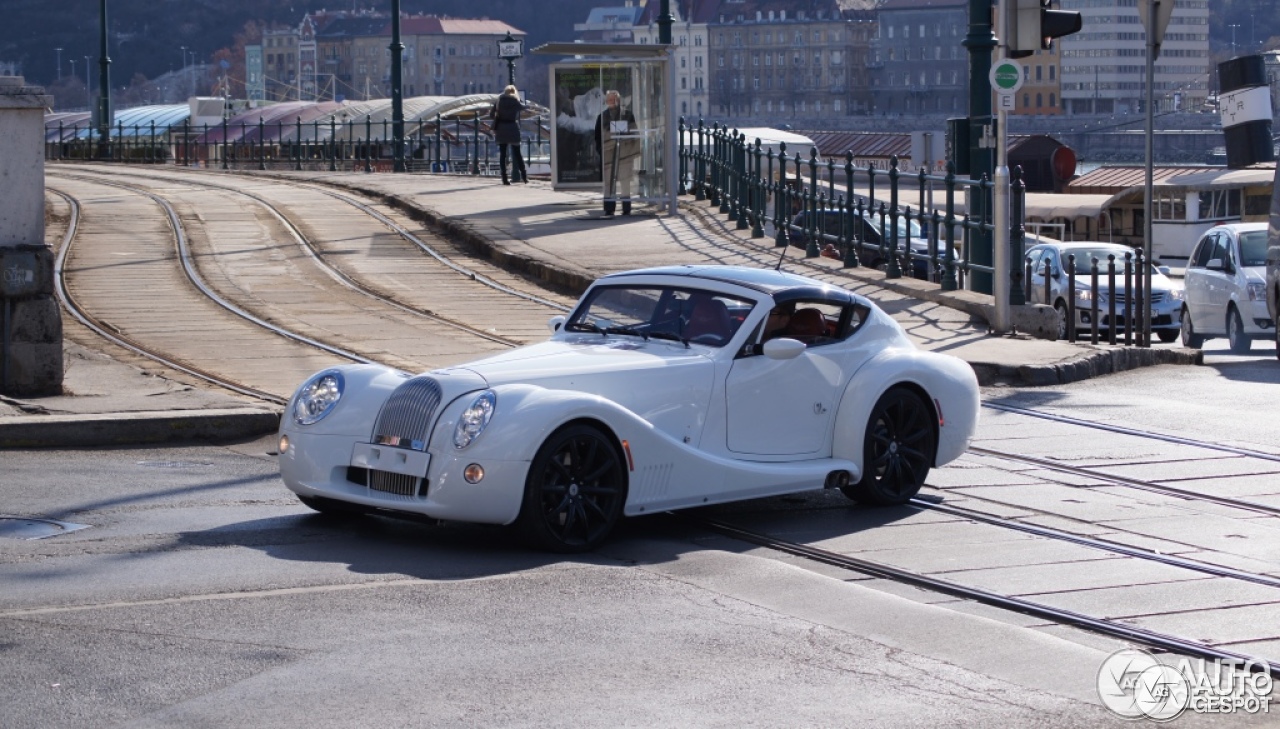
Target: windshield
x: 1085, y: 256
x: 1253, y: 248
x: 661, y: 312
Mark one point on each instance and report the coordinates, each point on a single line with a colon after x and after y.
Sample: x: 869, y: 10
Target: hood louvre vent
x: 406, y: 417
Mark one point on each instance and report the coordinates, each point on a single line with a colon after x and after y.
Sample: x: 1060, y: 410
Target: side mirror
x: 1214, y: 264
x: 555, y: 322
x: 1164, y: 270
x: 783, y: 348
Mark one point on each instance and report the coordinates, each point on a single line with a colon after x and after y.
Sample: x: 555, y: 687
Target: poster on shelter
x: 578, y: 102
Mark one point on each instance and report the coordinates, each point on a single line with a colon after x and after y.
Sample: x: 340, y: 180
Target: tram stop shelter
x: 644, y: 76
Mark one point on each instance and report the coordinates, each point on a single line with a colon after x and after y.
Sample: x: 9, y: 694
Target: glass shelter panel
x: 579, y: 142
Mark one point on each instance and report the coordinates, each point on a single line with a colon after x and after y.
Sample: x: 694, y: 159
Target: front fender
x: 525, y: 415
x: 947, y: 380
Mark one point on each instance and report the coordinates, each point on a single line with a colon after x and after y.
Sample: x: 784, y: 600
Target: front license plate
x: 387, y: 458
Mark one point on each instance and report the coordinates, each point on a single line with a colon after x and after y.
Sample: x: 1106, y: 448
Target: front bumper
x: 338, y: 467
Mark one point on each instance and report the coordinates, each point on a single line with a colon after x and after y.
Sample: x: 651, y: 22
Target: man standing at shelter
x: 618, y: 141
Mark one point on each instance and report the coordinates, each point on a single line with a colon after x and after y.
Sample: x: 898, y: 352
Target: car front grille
x: 1156, y: 298
x: 386, y: 482
x: 396, y: 483
x: 406, y: 417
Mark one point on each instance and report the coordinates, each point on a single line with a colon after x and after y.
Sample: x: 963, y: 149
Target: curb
x: 133, y: 428
x: 1087, y: 366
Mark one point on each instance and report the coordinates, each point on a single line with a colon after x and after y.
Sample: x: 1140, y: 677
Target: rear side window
x: 1203, y: 252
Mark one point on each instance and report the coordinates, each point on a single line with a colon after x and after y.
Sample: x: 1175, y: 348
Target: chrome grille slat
x: 407, y: 415
x: 393, y: 483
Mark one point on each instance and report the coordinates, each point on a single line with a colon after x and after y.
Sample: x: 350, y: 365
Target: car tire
x: 1168, y: 336
x: 1188, y: 332
x: 1064, y: 328
x: 1276, y: 323
x: 574, y: 493
x: 897, y: 452
x: 1239, y: 341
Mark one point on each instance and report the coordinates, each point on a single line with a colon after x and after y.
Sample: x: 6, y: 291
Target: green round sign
x: 1006, y: 76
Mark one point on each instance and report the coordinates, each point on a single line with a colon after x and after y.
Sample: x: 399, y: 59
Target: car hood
x: 663, y: 382
x: 1254, y: 274
x: 584, y: 355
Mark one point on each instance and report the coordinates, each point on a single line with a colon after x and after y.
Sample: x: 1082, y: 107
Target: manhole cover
x: 16, y: 527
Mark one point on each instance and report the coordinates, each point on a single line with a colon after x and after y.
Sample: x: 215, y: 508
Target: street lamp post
x: 1233, y: 27
x: 510, y: 49
x: 104, y: 87
x: 397, y: 90
x: 59, y: 50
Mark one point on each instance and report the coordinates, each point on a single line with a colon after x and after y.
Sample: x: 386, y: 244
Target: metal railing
x: 462, y: 146
x: 845, y: 211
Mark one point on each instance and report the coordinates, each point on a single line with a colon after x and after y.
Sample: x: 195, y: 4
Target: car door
x: 1050, y: 259
x: 1033, y: 260
x: 785, y: 407
x: 1196, y: 281
x: 1218, y: 285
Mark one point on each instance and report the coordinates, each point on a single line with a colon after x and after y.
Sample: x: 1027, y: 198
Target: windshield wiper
x: 671, y: 337
x: 629, y: 330
x: 584, y: 326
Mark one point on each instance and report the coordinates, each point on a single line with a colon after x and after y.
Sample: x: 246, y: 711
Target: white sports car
x: 664, y: 388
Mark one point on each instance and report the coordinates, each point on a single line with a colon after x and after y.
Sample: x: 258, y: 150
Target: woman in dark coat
x: 506, y: 132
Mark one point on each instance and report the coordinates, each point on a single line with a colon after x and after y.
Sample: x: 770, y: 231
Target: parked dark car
x: 869, y: 237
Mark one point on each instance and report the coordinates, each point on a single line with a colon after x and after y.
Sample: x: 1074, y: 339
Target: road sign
x: 1006, y: 77
x: 1164, y: 10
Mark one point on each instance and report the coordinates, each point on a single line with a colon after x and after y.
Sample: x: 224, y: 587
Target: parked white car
x: 663, y: 389
x: 1166, y: 295
x: 1226, y: 287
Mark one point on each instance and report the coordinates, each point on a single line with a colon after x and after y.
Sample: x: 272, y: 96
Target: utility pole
x: 980, y: 43
x: 59, y: 50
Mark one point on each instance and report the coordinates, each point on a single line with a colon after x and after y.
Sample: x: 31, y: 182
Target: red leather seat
x: 709, y: 319
x: 807, y: 323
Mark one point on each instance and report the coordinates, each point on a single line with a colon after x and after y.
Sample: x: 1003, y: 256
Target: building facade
x: 690, y: 35
x: 280, y: 64
x: 1104, y: 65
x: 799, y: 60
x: 918, y: 65
x: 348, y: 56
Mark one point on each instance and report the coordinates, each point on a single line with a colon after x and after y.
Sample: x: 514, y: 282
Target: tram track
x: 1154, y: 639
x: 173, y: 356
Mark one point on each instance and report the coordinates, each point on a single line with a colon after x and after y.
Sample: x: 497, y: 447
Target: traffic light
x: 1032, y: 25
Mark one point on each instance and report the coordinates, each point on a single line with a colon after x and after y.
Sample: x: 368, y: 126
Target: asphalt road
x: 203, y: 594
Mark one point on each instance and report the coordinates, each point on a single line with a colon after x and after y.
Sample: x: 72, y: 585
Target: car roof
x: 1240, y: 227
x: 780, y: 285
x: 1078, y: 244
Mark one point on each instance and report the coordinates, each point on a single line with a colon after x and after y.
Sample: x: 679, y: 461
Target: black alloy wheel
x: 574, y: 493
x: 1168, y: 336
x: 897, y: 451
x: 1189, y: 336
x: 1239, y: 341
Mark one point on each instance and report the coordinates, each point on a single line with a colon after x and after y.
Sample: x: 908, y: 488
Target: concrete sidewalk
x: 561, y: 239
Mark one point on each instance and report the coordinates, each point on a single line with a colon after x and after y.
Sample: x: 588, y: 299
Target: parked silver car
x: 1226, y: 288
x: 1166, y: 295
x: 1273, y: 262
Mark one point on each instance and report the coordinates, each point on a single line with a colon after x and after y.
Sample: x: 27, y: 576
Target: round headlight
x: 474, y: 419
x: 317, y: 397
